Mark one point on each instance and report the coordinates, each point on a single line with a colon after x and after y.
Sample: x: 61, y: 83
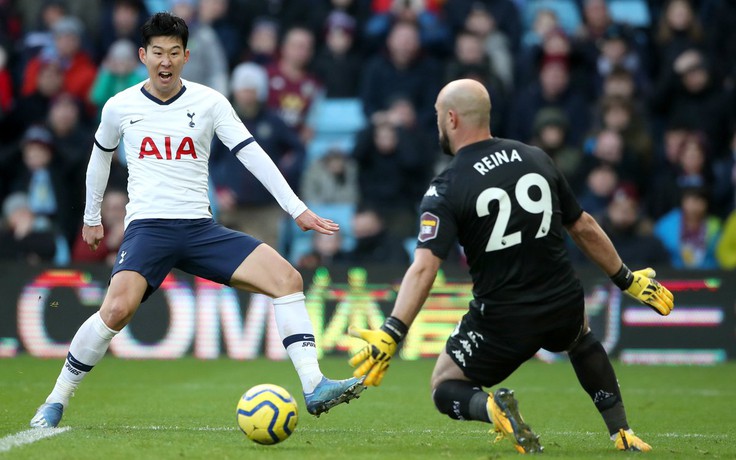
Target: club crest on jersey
x: 191, y: 119
x: 429, y: 224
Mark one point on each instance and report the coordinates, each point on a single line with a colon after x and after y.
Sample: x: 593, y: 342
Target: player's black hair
x: 164, y: 25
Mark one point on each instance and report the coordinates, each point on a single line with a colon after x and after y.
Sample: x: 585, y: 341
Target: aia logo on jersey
x: 429, y: 224
x: 151, y: 149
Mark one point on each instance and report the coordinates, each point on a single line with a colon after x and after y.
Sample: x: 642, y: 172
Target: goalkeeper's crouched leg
x: 461, y: 400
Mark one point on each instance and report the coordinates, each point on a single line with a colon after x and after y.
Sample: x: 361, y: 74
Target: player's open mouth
x: 165, y: 76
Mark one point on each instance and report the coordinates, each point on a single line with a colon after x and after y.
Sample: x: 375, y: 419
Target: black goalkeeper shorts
x: 489, y: 351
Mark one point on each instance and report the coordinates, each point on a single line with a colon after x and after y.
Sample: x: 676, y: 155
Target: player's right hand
x: 92, y: 235
x: 648, y: 291
x: 373, y: 359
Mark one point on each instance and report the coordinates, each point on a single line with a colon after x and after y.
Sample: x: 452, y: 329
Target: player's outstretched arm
x: 373, y: 359
x: 640, y: 284
x: 311, y: 221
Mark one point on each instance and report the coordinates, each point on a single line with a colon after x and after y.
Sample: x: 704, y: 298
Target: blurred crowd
x: 633, y: 99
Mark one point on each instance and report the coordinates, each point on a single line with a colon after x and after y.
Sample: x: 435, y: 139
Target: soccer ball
x: 267, y: 414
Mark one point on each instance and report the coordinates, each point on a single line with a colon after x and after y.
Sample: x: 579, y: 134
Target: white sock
x: 297, y: 335
x: 88, y: 347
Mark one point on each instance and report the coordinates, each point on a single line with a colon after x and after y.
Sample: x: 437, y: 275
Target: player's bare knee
x: 288, y: 282
x: 116, y: 313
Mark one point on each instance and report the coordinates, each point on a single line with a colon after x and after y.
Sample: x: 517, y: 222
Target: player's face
x: 164, y: 58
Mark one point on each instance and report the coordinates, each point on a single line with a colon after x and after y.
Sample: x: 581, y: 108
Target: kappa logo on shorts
x: 429, y: 225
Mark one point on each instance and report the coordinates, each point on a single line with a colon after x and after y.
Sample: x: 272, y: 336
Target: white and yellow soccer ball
x: 267, y: 414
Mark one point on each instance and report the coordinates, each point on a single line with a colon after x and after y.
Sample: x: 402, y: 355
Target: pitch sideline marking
x: 29, y: 437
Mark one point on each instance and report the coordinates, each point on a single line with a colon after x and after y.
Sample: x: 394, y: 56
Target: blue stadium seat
x: 335, y: 122
x: 567, y: 12
x: 632, y: 12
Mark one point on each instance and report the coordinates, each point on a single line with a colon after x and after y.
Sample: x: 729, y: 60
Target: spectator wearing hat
x: 121, y: 69
x: 689, y: 232
x: 336, y: 65
x: 24, y: 236
x: 243, y: 202
x: 617, y: 49
x: 551, y: 128
x: 78, y: 68
x: 42, y: 177
x: 120, y: 20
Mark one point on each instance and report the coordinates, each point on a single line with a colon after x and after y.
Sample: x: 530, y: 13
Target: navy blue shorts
x: 201, y: 247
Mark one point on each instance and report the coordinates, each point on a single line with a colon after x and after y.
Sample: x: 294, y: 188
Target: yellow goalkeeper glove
x: 642, y: 286
x: 373, y: 359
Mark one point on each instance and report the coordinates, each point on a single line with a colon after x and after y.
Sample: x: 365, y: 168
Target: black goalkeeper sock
x: 598, y: 379
x: 461, y: 400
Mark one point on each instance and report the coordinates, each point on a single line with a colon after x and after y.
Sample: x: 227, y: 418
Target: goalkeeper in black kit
x: 508, y: 206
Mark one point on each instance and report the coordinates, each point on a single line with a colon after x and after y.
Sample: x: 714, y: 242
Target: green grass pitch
x: 186, y: 409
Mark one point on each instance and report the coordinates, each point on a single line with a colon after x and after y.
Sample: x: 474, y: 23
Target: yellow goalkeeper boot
x: 508, y: 423
x: 627, y: 440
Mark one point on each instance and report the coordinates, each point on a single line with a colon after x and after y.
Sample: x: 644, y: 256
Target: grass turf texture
x: 186, y: 409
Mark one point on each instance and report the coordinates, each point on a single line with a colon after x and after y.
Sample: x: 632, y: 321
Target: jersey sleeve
x: 107, y: 136
x: 437, y: 222
x: 228, y: 125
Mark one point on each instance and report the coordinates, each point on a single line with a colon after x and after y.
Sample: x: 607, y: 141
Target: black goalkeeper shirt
x: 506, y: 203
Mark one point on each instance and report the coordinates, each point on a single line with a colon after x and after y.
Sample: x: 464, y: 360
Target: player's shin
x: 297, y: 335
x: 87, y: 348
x: 597, y: 377
x: 461, y: 400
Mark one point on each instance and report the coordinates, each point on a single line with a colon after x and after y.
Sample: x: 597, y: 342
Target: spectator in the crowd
x: 629, y: 230
x: 336, y: 65
x: 79, y: 69
x: 434, y: 34
x: 544, y: 21
x: 689, y: 232
x: 618, y: 114
x: 38, y: 35
x: 598, y: 186
x: 687, y: 93
x: 292, y: 87
x: 724, y: 180
x: 358, y: 10
x: 43, y: 177
x: 689, y: 168
x: 326, y: 252
x: 405, y: 71
x: 388, y: 163
x: 374, y: 242
x: 726, y: 247
x: 481, y: 22
x: 207, y: 62
x: 113, y: 218
x: 607, y: 145
x: 244, y: 203
x: 25, y: 237
x: 505, y: 12
x: 596, y: 19
x: 553, y: 90
x: 263, y: 42
x: 214, y: 13
x: 120, y: 20
x: 678, y: 30
x: 121, y: 69
x: 333, y: 178
x: 32, y: 109
x: 551, y: 128
x: 617, y: 49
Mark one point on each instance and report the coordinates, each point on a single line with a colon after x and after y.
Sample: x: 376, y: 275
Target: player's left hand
x: 648, y: 291
x: 373, y: 359
x: 311, y: 221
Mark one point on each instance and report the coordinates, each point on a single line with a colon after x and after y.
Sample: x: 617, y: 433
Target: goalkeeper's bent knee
x: 461, y: 400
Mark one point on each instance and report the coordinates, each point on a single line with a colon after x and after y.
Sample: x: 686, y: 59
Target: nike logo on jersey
x: 132, y: 122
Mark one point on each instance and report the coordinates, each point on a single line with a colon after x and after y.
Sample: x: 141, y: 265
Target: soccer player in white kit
x: 166, y: 126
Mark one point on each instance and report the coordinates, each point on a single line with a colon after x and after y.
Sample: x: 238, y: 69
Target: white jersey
x: 167, y: 148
